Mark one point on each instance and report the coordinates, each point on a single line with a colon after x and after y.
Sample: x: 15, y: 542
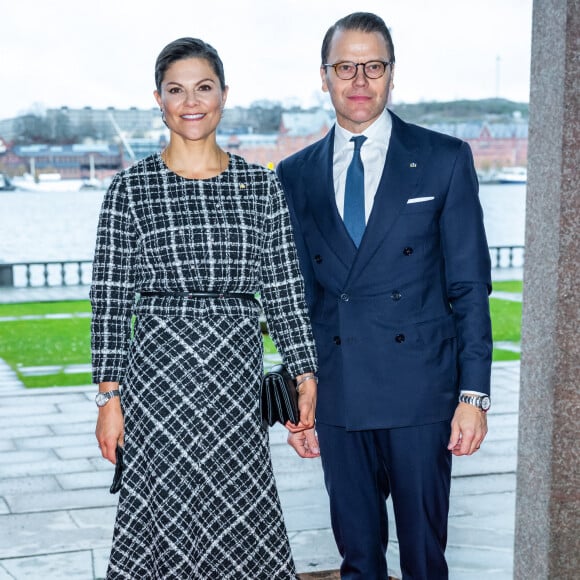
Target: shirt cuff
x: 472, y: 392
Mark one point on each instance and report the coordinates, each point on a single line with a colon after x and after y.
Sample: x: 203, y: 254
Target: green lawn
x: 48, y: 341
x: 60, y: 342
x: 506, y: 319
x: 509, y: 286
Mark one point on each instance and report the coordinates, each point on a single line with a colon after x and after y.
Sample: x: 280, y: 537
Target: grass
x: 506, y: 319
x: 47, y: 341
x: 41, y: 308
x: 60, y: 342
x: 509, y: 286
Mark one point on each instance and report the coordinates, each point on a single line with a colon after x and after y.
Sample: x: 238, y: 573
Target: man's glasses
x: 347, y: 70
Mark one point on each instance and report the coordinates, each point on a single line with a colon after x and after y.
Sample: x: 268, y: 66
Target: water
x: 504, y: 209
x: 62, y: 225
x: 48, y: 226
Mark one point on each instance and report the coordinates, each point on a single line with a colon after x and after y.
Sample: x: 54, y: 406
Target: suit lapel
x: 318, y: 182
x: 399, y: 181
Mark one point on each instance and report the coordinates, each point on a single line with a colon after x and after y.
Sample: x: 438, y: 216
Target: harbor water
x: 61, y: 225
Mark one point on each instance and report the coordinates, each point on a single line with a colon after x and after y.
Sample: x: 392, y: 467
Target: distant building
x: 494, y: 145
x: 297, y: 130
x: 263, y: 135
x: 69, y: 161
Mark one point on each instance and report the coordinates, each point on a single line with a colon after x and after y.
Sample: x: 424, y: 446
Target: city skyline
x: 66, y: 53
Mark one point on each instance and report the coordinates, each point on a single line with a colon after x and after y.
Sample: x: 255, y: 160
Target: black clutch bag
x: 279, y: 400
x: 118, y: 477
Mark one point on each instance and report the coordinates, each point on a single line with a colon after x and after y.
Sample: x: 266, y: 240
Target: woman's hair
x: 364, y: 21
x: 188, y: 48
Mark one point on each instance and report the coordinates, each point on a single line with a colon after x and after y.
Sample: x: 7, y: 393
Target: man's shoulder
x: 424, y: 134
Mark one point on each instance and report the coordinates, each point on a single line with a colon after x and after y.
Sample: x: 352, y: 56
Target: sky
x: 79, y: 53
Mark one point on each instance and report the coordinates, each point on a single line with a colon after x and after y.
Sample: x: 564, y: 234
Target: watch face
x: 101, y: 399
x: 485, y: 403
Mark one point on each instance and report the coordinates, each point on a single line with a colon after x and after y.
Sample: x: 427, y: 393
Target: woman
x: 196, y: 233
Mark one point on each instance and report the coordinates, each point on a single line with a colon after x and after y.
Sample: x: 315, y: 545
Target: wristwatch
x: 103, y: 398
x: 482, y: 402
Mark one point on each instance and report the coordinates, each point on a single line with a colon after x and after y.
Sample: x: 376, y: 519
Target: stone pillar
x: 547, y: 534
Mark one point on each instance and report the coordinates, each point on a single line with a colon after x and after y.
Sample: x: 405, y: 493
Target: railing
x: 45, y: 274
x: 78, y: 272
x: 507, y: 256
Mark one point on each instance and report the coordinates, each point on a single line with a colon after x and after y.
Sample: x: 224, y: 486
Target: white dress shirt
x: 373, y: 155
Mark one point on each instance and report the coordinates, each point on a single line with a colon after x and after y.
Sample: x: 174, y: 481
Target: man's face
x: 359, y: 101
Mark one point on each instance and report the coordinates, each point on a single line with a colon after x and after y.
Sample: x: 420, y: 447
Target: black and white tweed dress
x: 198, y: 499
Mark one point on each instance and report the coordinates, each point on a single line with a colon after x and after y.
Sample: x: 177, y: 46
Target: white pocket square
x: 420, y: 199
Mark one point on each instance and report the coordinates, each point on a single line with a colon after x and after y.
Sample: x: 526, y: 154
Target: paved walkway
x: 56, y: 514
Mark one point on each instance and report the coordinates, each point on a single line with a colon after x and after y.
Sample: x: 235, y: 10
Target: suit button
x: 408, y: 251
x: 336, y: 340
x: 395, y: 295
x: 400, y: 338
x: 318, y: 258
x: 344, y: 297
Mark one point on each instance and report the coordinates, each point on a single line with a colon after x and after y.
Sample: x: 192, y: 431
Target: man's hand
x: 468, y: 430
x: 305, y: 443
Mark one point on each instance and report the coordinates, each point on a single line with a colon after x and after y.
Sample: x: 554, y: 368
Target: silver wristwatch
x: 482, y: 402
x: 103, y: 398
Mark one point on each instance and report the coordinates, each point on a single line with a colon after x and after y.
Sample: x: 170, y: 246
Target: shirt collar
x: 378, y: 132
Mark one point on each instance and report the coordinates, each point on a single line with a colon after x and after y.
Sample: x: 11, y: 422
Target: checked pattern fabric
x: 198, y: 499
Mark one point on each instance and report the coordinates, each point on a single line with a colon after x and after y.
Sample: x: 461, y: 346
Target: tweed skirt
x: 198, y: 499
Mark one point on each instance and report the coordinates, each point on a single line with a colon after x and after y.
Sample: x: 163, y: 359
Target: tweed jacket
x: 159, y: 232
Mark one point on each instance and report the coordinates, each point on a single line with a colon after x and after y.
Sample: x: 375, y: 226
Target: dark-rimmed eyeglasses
x: 347, y: 70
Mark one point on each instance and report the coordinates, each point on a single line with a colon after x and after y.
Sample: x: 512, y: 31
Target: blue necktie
x: 354, y: 194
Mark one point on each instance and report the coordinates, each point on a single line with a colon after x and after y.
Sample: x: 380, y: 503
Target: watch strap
x: 107, y: 396
x: 482, y: 402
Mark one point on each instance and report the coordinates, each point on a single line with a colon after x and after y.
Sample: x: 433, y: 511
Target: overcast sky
x: 101, y: 53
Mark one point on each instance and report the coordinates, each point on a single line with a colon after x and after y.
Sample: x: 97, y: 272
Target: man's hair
x: 188, y: 48
x: 364, y: 21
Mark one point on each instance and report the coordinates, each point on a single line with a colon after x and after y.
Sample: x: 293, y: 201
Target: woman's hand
x: 110, y: 428
x: 305, y: 443
x: 307, y: 390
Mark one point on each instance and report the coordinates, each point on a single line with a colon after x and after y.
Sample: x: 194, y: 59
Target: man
x: 397, y: 271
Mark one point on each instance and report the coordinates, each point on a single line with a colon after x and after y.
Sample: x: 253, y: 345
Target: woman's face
x: 191, y: 98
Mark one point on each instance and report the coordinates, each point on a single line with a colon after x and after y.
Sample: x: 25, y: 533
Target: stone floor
x: 56, y: 515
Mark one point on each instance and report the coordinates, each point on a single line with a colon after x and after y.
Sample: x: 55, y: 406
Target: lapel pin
x: 412, y: 164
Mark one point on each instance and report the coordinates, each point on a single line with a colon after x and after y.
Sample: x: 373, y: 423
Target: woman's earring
x: 163, y: 117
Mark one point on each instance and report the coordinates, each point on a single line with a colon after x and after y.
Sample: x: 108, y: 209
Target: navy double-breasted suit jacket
x: 401, y: 323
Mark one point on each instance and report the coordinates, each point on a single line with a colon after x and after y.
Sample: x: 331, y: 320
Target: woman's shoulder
x: 241, y: 165
x: 134, y: 181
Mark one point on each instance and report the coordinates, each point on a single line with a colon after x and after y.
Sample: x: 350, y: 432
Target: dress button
x: 395, y: 295
x: 318, y: 258
x: 408, y: 251
x: 336, y: 340
x: 400, y: 338
x: 344, y: 297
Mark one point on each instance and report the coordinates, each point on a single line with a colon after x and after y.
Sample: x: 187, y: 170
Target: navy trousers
x: 361, y: 469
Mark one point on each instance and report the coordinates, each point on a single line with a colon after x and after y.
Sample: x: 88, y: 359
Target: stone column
x: 547, y: 534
